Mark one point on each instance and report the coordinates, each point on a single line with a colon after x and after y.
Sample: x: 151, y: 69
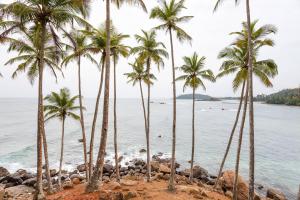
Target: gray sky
x: 210, y: 35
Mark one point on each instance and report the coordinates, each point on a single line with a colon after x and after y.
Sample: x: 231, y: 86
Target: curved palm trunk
x: 148, y: 124
x: 40, y: 126
x: 47, y: 170
x: 82, y: 119
x: 61, y: 151
x: 94, y: 182
x: 193, y: 136
x: 95, y: 122
x: 251, y: 108
x: 237, y: 164
x: 115, y: 124
x: 143, y: 105
x: 171, y: 186
x: 231, y: 135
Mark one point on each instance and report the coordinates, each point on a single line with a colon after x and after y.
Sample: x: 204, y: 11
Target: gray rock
x: 30, y: 182
x: 3, y: 172
x: 143, y: 150
x: 107, y: 168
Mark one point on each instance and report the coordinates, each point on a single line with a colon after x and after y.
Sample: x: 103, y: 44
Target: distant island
x: 198, y: 97
x: 289, y: 97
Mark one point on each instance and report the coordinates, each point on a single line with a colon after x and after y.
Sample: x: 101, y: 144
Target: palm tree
x: 93, y: 184
x: 193, y: 78
x: 46, y: 15
x: 150, y: 51
x: 98, y: 39
x: 237, y: 63
x: 117, y: 50
x: 139, y: 75
x: 78, y: 49
x: 97, y: 45
x: 61, y: 105
x: 28, y: 60
x: 168, y: 13
x: 251, y: 108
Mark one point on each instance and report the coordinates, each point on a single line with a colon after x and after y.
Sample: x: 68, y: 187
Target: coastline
x: 136, y: 169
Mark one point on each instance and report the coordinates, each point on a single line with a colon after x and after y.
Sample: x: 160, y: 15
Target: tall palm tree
x: 93, y: 184
x: 28, y: 60
x: 97, y: 45
x: 117, y: 50
x: 61, y: 105
x: 168, y: 13
x: 237, y: 62
x: 98, y: 39
x: 251, y: 108
x: 140, y: 75
x: 193, y: 77
x: 150, y: 51
x: 77, y: 47
x: 47, y: 15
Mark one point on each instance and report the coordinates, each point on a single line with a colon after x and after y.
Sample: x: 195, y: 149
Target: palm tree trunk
x: 47, y: 170
x: 143, y: 105
x: 82, y: 120
x: 193, y: 136
x: 148, y: 124
x: 95, y: 121
x: 231, y: 135
x: 171, y: 186
x: 251, y: 108
x: 41, y: 128
x: 94, y: 182
x: 61, y: 152
x: 115, y: 124
x: 237, y: 164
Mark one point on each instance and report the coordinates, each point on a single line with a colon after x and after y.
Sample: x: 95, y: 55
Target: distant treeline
x: 287, y: 97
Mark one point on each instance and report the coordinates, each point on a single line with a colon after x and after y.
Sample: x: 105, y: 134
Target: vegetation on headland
x: 290, y: 97
x: 45, y: 26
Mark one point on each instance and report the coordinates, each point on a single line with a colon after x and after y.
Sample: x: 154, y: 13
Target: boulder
x: 20, y: 192
x: 143, y: 150
x: 67, y: 184
x: 164, y: 169
x: 30, y: 182
x: 76, y: 181
x: 275, y: 194
x: 78, y: 176
x: 137, y: 162
x: 107, y: 168
x: 53, y: 172
x: 11, y: 180
x: 199, y: 172
x: 154, y: 166
x: 81, y: 168
x: 3, y: 172
x: 227, y: 182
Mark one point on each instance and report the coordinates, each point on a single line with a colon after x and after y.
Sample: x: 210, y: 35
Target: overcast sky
x: 210, y: 32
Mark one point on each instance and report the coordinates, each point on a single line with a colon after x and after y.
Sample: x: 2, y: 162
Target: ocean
x: 277, y: 137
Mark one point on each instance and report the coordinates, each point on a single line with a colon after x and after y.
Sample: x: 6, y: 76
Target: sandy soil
x: 155, y: 190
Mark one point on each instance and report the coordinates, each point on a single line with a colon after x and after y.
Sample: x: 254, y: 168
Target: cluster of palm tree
x: 38, y: 31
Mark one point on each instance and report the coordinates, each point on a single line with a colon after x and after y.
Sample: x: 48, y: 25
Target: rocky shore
x: 20, y: 185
